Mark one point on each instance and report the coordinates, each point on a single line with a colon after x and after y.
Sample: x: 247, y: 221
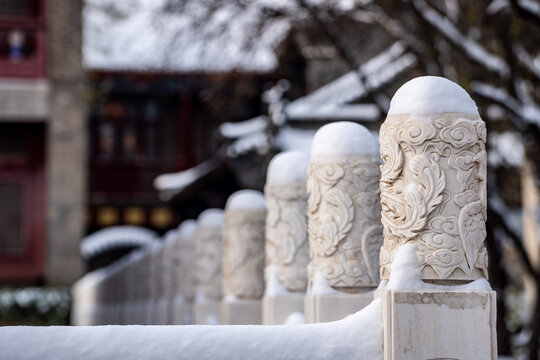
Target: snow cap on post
x: 208, y: 253
x: 428, y: 95
x: 344, y: 226
x: 187, y: 228
x: 210, y: 218
x: 343, y: 138
x: 433, y: 180
x: 245, y: 199
x: 287, y: 167
x: 243, y: 245
x: 287, y: 250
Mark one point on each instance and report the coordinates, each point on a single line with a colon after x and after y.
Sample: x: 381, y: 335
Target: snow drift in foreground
x: 359, y: 336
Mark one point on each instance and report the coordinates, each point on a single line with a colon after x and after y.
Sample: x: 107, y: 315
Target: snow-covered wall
x: 359, y: 336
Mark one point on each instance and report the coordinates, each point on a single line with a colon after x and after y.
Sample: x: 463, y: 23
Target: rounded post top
x: 246, y: 199
x: 210, y: 218
x: 429, y: 95
x: 343, y: 138
x: 187, y: 228
x: 287, y: 167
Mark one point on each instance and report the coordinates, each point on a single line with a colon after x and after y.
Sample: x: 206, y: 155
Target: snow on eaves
x: 115, y: 237
x: 142, y: 35
x: 172, y: 183
x: 234, y: 130
x: 330, y: 101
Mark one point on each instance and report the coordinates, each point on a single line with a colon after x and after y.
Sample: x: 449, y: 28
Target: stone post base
x: 276, y: 309
x: 331, y: 307
x: 206, y: 313
x: 438, y: 324
x: 241, y: 312
x: 181, y: 313
x: 159, y: 312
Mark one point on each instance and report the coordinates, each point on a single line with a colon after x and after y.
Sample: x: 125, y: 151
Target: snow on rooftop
x: 427, y: 95
x: 343, y: 138
x: 329, y: 101
x: 246, y: 199
x: 210, y: 218
x: 116, y: 236
x: 287, y: 167
x: 193, y: 36
x: 172, y: 183
x: 234, y: 130
x: 294, y: 139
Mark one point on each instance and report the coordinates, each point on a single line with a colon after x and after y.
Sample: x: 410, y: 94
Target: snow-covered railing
x: 433, y: 301
x: 115, y: 237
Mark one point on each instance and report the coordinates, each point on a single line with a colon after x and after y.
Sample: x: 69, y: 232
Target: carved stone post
x: 433, y: 197
x: 183, y: 273
x: 345, y: 232
x: 158, y: 307
x: 287, y: 248
x: 208, y: 256
x: 243, y: 258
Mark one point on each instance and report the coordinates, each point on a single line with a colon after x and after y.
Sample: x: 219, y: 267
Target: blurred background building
x: 143, y: 112
x: 43, y: 141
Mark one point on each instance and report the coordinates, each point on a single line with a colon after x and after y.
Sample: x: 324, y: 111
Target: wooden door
x: 22, y: 230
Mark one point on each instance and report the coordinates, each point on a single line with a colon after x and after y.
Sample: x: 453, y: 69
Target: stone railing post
x: 433, y: 197
x: 182, y: 273
x: 158, y: 307
x: 243, y: 258
x: 208, y: 254
x: 345, y: 232
x: 287, y: 248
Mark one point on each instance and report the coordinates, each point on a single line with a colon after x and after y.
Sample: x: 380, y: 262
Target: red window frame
x: 36, y: 65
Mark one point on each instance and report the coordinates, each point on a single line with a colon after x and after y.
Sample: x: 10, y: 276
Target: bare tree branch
x: 472, y: 49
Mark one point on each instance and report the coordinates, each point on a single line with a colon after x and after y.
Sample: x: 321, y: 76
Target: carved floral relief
x: 243, y: 253
x: 185, y: 265
x: 345, y: 232
x: 433, y: 191
x: 208, y: 262
x: 287, y: 246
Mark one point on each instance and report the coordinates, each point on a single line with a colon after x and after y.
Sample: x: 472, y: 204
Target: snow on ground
x: 427, y: 95
x: 287, y: 167
x: 343, y: 138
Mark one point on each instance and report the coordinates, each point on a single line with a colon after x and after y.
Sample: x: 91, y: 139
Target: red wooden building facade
x: 22, y: 141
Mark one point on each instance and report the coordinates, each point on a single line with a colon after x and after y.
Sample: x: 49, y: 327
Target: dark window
x: 11, y: 205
